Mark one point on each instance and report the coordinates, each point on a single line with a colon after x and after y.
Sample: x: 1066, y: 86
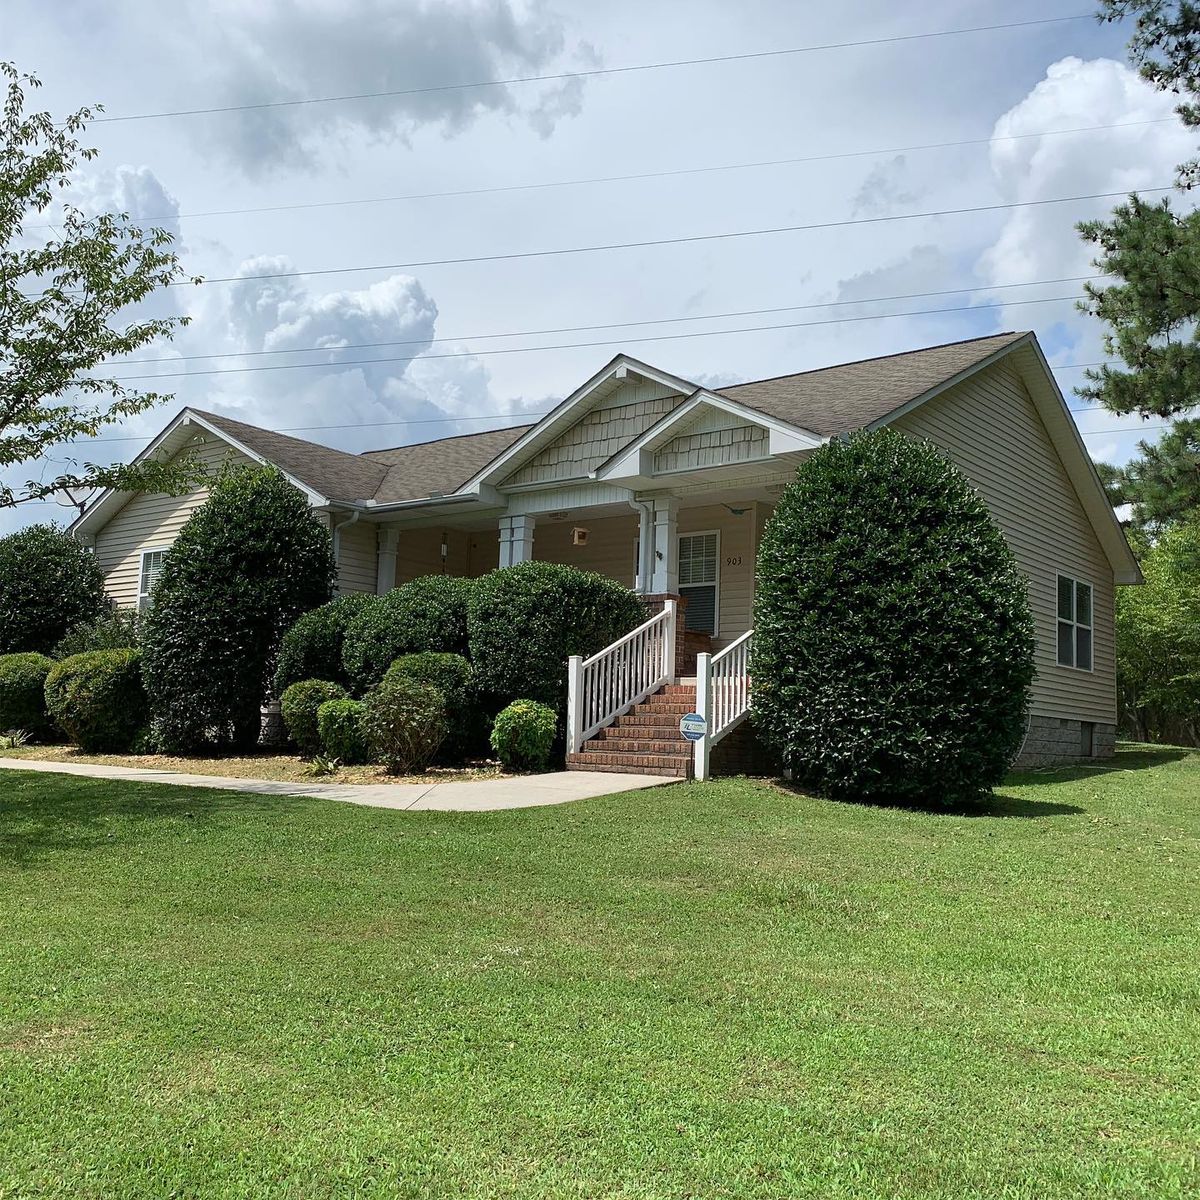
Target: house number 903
x: 733, y: 560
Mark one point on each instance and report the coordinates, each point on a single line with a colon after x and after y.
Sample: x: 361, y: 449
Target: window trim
x: 143, y: 597
x: 716, y: 584
x: 1076, y: 625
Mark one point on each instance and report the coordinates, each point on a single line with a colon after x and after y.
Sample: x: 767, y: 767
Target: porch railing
x: 722, y: 696
x: 601, y: 688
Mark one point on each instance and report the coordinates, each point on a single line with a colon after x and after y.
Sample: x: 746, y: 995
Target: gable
x: 716, y: 438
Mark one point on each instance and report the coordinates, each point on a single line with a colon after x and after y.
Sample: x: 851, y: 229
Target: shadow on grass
x: 986, y: 806
x: 1134, y: 757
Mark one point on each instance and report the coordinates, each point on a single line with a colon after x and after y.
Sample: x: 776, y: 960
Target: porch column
x: 516, y: 540
x: 664, y: 578
x: 385, y: 578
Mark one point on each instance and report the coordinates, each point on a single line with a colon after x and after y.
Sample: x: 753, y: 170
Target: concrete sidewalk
x: 486, y: 795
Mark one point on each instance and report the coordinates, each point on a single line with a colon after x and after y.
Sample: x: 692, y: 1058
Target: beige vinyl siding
x: 419, y: 553
x: 150, y: 522
x: 611, y: 547
x: 988, y: 426
x: 735, y: 564
x: 357, y: 557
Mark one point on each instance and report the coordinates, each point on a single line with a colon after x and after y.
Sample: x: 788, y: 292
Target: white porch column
x: 516, y: 540
x: 385, y: 578
x: 664, y: 578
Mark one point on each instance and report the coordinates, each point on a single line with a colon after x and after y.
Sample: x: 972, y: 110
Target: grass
x: 699, y: 991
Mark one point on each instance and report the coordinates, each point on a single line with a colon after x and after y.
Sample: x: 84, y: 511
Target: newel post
x: 704, y: 706
x: 574, y: 704
x: 672, y: 610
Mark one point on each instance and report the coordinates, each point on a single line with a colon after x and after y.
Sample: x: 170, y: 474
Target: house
x: 667, y: 486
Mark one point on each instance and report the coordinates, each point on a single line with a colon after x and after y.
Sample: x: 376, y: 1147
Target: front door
x: 699, y: 555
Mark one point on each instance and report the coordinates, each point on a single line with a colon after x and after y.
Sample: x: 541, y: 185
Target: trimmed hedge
x: 893, y: 641
x: 117, y: 629
x: 48, y: 584
x: 404, y: 722
x: 340, y: 725
x: 523, y: 736
x: 98, y: 700
x: 451, y: 674
x: 312, y: 647
x: 298, y: 706
x: 23, y: 694
x: 526, y: 621
x: 428, y: 614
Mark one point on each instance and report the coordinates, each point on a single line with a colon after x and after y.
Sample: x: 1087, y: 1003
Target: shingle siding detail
x: 717, y: 439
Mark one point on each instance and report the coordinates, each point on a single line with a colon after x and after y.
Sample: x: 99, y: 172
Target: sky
x: 854, y: 136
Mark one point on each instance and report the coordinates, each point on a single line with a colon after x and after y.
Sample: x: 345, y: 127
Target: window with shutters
x: 699, y: 554
x: 1074, y: 623
x: 151, y: 568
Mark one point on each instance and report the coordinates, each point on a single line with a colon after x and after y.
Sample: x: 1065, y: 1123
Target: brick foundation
x: 1057, y: 741
x: 688, y: 643
x: 743, y: 752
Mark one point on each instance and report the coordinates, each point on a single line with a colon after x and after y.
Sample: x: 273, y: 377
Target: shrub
x: 298, y: 706
x: 312, y: 648
x: 404, y: 722
x: 244, y: 567
x: 452, y: 676
x: 893, y: 643
x: 526, y: 621
x: 523, y: 736
x: 98, y: 700
x: 428, y: 614
x: 23, y: 694
x: 340, y: 726
x: 116, y: 629
x: 48, y: 584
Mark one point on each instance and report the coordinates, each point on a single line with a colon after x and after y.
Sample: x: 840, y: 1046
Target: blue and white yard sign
x: 693, y: 726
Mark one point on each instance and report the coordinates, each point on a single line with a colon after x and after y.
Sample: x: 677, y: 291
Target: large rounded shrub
x: 523, y: 736
x: 403, y: 723
x: 244, y: 567
x: 298, y: 707
x: 424, y: 614
x: 893, y: 642
x: 452, y: 676
x: 526, y: 621
x: 23, y: 694
x: 312, y: 648
x: 48, y: 584
x: 340, y: 723
x: 116, y: 629
x: 97, y: 699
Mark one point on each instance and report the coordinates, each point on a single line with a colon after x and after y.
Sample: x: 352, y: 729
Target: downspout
x: 645, y: 511
x: 337, y: 535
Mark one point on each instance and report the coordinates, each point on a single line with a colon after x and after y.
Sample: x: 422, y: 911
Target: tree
x: 1163, y: 484
x: 244, y: 567
x: 63, y: 289
x: 893, y: 641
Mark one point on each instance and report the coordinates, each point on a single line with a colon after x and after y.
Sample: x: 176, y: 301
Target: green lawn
x: 699, y: 991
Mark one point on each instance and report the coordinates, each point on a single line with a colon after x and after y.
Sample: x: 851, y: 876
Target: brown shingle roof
x: 848, y: 396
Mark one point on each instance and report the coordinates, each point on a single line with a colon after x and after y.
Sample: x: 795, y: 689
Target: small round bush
x: 452, y: 676
x: 421, y: 615
x: 97, y: 699
x: 23, y: 694
x: 312, y: 648
x: 298, y: 706
x: 523, y: 736
x: 893, y: 641
x: 404, y: 722
x: 340, y: 726
x: 117, y: 629
x: 526, y: 621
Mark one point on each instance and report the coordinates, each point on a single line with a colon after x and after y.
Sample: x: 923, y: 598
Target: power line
x: 592, y: 72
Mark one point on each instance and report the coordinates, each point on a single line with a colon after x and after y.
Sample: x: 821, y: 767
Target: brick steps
x: 646, y: 740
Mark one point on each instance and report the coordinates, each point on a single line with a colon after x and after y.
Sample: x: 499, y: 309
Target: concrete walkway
x: 485, y: 795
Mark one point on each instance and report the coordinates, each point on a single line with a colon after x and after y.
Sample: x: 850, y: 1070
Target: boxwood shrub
x: 116, y: 629
x: 23, y: 695
x: 424, y: 614
x: 526, y: 621
x: 298, y: 706
x: 893, y: 641
x: 340, y: 725
x: 404, y: 722
x: 312, y: 647
x: 523, y: 736
x: 452, y: 676
x: 97, y: 699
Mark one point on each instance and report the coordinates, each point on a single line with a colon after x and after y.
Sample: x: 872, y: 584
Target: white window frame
x: 1074, y: 623
x: 143, y: 599
x: 717, y: 574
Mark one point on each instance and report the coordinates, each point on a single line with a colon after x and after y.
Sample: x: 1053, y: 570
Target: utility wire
x: 592, y: 72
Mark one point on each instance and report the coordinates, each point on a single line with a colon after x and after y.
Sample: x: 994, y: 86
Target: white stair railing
x: 722, y: 696
x: 601, y: 688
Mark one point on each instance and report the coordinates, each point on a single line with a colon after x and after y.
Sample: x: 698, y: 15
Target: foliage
x: 14, y: 740
x: 115, y: 629
x: 321, y: 766
x: 298, y: 706
x: 339, y: 723
x: 1158, y: 639
x: 404, y: 723
x: 451, y: 674
x: 1163, y: 482
x: 312, y: 647
x: 893, y: 643
x: 427, y: 614
x: 23, y: 694
x: 244, y: 567
x: 48, y: 584
x: 523, y: 735
x: 69, y: 281
x: 526, y: 621
x: 97, y: 699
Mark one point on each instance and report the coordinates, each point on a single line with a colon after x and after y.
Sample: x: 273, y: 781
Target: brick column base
x: 688, y: 643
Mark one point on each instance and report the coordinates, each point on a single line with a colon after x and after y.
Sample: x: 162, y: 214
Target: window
x: 151, y: 567
x: 1074, y: 623
x: 698, y: 580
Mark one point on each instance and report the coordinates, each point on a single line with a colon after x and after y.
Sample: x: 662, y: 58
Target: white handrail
x: 722, y: 696
x: 601, y: 688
